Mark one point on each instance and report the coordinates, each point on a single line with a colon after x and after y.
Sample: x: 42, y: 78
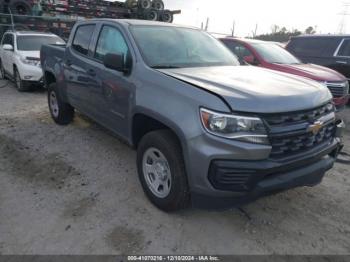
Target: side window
x: 314, y: 46
x: 345, y: 48
x: 8, y: 40
x: 239, y: 50
x: 82, y: 38
x: 110, y: 41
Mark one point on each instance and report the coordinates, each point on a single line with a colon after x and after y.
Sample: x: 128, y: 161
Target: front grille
x: 288, y: 145
x: 338, y: 89
x: 298, y: 117
x: 291, y: 133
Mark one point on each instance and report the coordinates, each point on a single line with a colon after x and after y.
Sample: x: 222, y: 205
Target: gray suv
x: 208, y: 132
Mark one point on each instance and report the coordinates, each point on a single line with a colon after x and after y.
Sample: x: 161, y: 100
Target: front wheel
x: 2, y: 69
x: 162, y: 171
x: 19, y: 83
x: 61, y: 112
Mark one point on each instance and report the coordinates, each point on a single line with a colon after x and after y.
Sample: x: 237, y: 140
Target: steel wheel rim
x: 156, y: 171
x: 54, y: 104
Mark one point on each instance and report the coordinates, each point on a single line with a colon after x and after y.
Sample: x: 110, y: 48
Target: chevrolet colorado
x: 208, y: 132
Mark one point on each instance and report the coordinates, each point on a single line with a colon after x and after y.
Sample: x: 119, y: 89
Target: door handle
x: 91, y: 72
x: 341, y: 62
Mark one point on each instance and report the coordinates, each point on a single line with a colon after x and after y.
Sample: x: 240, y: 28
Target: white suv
x: 20, y: 56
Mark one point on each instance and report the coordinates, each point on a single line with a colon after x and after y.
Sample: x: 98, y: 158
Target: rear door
x: 342, y: 58
x: 112, y: 89
x: 76, y: 70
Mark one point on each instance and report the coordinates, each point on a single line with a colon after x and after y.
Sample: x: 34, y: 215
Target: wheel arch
x: 49, y: 78
x: 147, y: 121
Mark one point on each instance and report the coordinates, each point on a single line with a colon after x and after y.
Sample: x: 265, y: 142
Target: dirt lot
x: 74, y: 190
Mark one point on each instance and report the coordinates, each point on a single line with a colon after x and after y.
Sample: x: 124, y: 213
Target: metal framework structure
x: 59, y: 16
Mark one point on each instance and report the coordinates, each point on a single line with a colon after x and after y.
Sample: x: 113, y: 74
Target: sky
x: 293, y: 14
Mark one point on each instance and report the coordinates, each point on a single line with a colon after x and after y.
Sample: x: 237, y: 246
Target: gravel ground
x: 74, y: 190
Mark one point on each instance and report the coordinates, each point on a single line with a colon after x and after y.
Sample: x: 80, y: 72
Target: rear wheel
x: 62, y: 113
x: 162, y: 171
x: 19, y: 83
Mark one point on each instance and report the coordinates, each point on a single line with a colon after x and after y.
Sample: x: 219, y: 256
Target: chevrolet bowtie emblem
x: 316, y: 127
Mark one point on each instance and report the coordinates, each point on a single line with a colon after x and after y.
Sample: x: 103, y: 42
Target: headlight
x: 243, y: 128
x: 31, y: 61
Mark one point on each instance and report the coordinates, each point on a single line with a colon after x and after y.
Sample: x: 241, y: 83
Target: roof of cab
x: 136, y: 22
x: 248, y: 40
x: 31, y: 33
x: 322, y: 36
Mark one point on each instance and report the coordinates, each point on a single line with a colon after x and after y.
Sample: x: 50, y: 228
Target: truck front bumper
x: 237, y: 182
x: 30, y: 73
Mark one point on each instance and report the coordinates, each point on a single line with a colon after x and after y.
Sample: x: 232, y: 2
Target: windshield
x: 273, y: 53
x: 173, y: 47
x: 34, y: 43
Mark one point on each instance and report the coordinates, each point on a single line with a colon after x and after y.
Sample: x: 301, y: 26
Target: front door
x: 112, y: 90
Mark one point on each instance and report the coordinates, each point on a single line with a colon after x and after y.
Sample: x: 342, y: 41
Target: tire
x: 158, y: 5
x: 151, y: 15
x: 19, y: 83
x: 166, y: 16
x: 2, y: 70
x: 62, y: 113
x: 152, y: 150
x: 144, y: 4
x: 20, y: 7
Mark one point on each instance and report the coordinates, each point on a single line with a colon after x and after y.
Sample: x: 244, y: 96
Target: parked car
x: 207, y: 131
x: 332, y: 51
x: 272, y: 56
x: 19, y: 56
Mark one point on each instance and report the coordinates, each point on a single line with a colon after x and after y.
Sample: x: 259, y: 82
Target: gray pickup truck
x: 208, y: 132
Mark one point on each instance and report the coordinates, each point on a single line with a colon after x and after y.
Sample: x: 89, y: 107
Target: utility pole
x: 344, y: 14
x: 233, y: 28
x: 255, y: 31
x: 207, y: 24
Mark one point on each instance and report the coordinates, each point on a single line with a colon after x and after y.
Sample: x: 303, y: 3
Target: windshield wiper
x: 165, y: 66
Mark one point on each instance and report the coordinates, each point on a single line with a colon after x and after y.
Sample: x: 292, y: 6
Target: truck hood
x: 315, y: 72
x: 250, y: 89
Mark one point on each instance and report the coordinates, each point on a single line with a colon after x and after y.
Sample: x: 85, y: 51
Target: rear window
x: 83, y: 38
x: 345, y: 48
x: 314, y: 46
x: 34, y: 42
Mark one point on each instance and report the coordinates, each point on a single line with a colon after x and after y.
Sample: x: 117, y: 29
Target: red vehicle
x: 272, y: 56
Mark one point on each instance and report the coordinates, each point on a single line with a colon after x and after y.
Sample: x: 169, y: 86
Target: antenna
x: 233, y: 28
x: 207, y: 24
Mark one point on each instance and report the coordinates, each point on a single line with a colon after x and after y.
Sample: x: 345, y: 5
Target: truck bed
x: 52, y: 55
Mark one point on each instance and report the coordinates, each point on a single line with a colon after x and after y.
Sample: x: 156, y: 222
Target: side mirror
x: 116, y: 62
x: 7, y: 47
x: 251, y: 60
